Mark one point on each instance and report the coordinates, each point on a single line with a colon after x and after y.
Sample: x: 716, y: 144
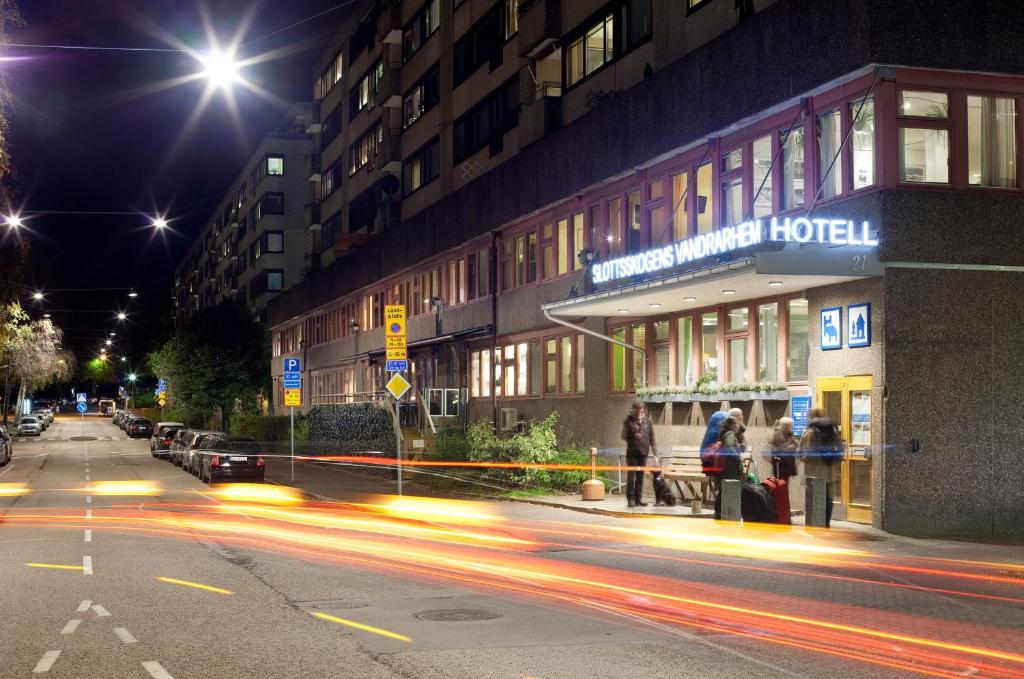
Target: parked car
x: 189, y: 460
x: 118, y: 418
x: 231, y: 458
x: 6, y: 446
x: 140, y: 427
x: 40, y: 414
x: 127, y: 421
x: 30, y: 425
x: 181, y: 439
x: 163, y: 437
x: 182, y: 447
x: 48, y: 413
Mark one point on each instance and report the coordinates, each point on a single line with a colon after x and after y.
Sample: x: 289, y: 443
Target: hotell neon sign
x: 729, y: 238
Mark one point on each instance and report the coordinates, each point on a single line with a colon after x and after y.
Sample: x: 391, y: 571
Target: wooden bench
x: 683, y: 469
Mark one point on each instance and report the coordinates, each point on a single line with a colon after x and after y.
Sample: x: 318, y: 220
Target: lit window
x: 799, y: 349
x: 991, y: 142
x: 924, y: 104
x: 762, y: 164
x: 732, y: 201
x: 705, y: 199
x: 680, y: 216
x: 275, y: 280
x: 422, y: 168
x: 792, y: 168
x: 709, y: 346
x: 768, y: 342
x: 924, y: 155
x: 684, y: 351
x: 863, y: 143
x: 275, y: 165
x: 639, y: 339
x: 830, y: 167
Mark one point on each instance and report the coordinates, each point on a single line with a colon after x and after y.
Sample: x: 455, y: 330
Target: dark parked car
x: 181, y: 451
x: 163, y: 436
x: 140, y: 427
x: 231, y: 458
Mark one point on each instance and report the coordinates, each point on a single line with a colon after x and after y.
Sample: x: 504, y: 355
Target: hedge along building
x: 521, y: 302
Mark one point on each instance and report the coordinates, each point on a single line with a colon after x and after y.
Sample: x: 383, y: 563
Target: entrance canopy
x: 764, y: 274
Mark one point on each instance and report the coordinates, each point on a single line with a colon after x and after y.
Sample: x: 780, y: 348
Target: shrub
x: 353, y: 428
x: 272, y: 428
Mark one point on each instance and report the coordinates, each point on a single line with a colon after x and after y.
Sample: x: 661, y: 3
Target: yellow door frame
x: 855, y: 454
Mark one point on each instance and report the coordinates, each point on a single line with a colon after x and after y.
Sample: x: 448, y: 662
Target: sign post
x: 82, y: 404
x: 397, y: 362
x: 292, y: 398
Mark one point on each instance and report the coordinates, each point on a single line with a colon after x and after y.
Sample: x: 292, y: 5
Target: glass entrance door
x: 847, y: 400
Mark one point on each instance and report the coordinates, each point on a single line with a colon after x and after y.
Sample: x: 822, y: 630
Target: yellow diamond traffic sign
x: 162, y: 402
x: 397, y: 386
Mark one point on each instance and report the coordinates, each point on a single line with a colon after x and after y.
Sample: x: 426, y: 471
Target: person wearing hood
x: 741, y: 430
x: 816, y: 448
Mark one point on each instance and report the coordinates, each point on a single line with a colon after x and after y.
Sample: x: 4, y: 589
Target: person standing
x: 741, y: 431
x: 784, y: 449
x: 729, y: 454
x: 638, y: 433
x: 817, y: 447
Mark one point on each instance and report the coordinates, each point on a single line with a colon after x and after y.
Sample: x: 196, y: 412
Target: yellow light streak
x: 56, y: 566
x: 124, y: 488
x: 13, y: 489
x: 258, y: 493
x: 197, y: 585
x: 360, y: 626
x: 438, y: 508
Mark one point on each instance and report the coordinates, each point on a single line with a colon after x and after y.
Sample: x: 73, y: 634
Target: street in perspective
x: 511, y: 338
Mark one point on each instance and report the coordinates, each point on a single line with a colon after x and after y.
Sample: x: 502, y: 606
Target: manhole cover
x: 83, y: 438
x: 457, y: 615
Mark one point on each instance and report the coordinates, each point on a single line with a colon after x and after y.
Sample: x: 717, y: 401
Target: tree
x: 219, y: 360
x: 33, y: 350
x: 99, y: 371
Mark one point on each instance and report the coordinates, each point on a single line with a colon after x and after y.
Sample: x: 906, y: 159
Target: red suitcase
x: 779, y: 490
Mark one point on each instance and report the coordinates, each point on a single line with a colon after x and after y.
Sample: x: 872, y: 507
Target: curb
x: 598, y: 511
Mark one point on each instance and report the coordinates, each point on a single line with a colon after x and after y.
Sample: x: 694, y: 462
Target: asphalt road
x: 383, y: 590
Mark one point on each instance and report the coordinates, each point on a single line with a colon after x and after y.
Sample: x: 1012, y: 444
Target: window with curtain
x: 792, y: 168
x: 709, y: 345
x: 863, y: 143
x: 680, y: 216
x: 705, y: 199
x: 799, y: 348
x: 924, y: 155
x: 762, y: 176
x: 684, y: 351
x: 639, y: 339
x: 619, y: 361
x: 636, y: 222
x: 992, y: 142
x: 768, y: 342
x: 830, y: 166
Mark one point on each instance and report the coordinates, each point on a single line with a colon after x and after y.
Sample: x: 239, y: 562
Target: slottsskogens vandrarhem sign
x: 729, y: 238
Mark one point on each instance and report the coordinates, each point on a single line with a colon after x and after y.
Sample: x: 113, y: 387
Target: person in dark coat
x: 732, y: 463
x: 784, y: 449
x: 638, y: 433
x: 816, y: 446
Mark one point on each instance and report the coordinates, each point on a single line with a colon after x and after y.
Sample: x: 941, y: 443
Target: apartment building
x: 702, y: 203
x: 253, y: 244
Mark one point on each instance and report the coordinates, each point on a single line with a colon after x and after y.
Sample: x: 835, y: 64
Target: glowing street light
x: 38, y: 295
x: 133, y: 294
x: 13, y: 221
x: 46, y: 315
x: 109, y: 342
x: 121, y: 316
x: 159, y: 222
x: 132, y: 377
x: 113, y: 334
x: 220, y: 68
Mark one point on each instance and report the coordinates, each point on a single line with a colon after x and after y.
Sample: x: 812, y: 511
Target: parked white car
x: 30, y: 425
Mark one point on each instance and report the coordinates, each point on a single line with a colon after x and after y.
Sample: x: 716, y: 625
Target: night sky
x: 84, y: 139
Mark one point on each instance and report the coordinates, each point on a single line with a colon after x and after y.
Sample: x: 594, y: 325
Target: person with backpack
x: 638, y: 433
x: 728, y: 459
x: 784, y: 449
x: 820, y: 447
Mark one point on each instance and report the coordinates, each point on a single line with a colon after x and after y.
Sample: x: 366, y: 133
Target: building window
x: 422, y: 167
x: 577, y: 241
x: 601, y: 40
x: 684, y: 351
x: 363, y: 94
x: 924, y: 155
x: 768, y: 342
x: 635, y: 233
x: 268, y: 204
x: 331, y: 127
x: 422, y: 26
x: 709, y: 346
x: 485, y: 41
x: 364, y: 150
x: 992, y: 142
x: 863, y: 143
x: 273, y: 241
x: 680, y: 210
x: 924, y: 104
x: 705, y: 199
x: 792, y: 168
x: 275, y: 280
x: 423, y: 96
x: 761, y: 160
x: 486, y: 123
x: 799, y: 348
x: 275, y: 165
x: 732, y: 187
x: 330, y: 179
x: 331, y: 76
x: 829, y: 128
x: 478, y: 273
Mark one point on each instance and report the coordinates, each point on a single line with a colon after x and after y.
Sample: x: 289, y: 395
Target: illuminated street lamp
x: 220, y: 68
x: 121, y: 316
x: 13, y: 221
x: 159, y: 222
x: 133, y: 294
x: 38, y: 295
x: 46, y: 315
x: 109, y: 342
x: 132, y: 377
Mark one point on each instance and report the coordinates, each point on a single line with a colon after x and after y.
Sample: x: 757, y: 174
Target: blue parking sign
x: 292, y: 365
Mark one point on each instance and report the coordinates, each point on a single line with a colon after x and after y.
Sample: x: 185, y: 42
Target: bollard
x: 594, y: 488
x: 697, y: 507
x: 814, y: 502
x: 730, y: 491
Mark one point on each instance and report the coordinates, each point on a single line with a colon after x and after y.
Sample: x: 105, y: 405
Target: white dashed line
x: 70, y: 626
x: 46, y: 662
x: 88, y: 499
x: 156, y: 670
x: 87, y: 565
x: 100, y: 611
x: 125, y: 636
x: 88, y: 513
x: 86, y: 477
x: 84, y: 606
x: 88, y: 534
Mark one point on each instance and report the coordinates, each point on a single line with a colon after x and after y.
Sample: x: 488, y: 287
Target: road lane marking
x: 87, y: 565
x: 46, y: 662
x: 55, y: 566
x: 88, y: 513
x: 156, y: 670
x: 100, y: 611
x: 88, y: 534
x: 360, y: 626
x: 125, y: 636
x: 84, y: 606
x: 197, y: 585
x: 70, y: 626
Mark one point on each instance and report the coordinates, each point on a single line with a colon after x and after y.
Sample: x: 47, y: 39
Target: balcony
x: 389, y: 24
x: 389, y: 94
x: 313, y: 167
x: 539, y: 26
x: 314, y: 126
x: 312, y: 216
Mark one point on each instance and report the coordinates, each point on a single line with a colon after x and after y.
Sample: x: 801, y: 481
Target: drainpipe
x: 492, y: 281
x: 606, y: 338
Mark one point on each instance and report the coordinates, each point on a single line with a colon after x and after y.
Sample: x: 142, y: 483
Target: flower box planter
x: 718, y: 397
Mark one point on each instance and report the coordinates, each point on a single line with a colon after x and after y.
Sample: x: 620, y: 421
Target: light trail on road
x: 475, y: 545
